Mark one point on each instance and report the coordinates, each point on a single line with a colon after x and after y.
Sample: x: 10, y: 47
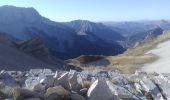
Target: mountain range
x: 27, y: 33
x: 63, y: 40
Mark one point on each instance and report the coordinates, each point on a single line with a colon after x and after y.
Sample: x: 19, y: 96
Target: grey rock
x: 48, y: 81
x: 63, y: 81
x: 83, y: 91
x: 121, y: 92
x: 20, y: 94
x: 7, y: 79
x: 77, y: 97
x: 31, y: 82
x: 33, y: 99
x: 100, y: 90
x: 39, y: 88
x: 151, y: 88
x: 163, y: 84
x: 74, y: 81
x: 59, y: 90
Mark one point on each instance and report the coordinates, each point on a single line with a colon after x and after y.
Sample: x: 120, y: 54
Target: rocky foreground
x: 44, y: 84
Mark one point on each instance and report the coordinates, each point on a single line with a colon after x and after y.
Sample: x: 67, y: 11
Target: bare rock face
x: 100, y: 90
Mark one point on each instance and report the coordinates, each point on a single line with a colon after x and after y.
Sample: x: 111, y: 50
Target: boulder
x: 74, y: 81
x: 30, y: 82
x: 163, y: 85
x: 58, y: 90
x: 83, y: 91
x: 63, y: 81
x: 53, y: 96
x: 76, y: 96
x: 33, y: 99
x: 135, y: 89
x: 20, y: 94
x: 39, y: 88
x: 151, y: 89
x: 48, y: 81
x: 122, y: 92
x: 100, y: 90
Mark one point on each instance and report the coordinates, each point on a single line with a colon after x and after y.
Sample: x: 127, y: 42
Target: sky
x: 97, y: 10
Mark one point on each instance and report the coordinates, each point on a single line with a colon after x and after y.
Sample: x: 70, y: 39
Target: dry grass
x: 125, y: 60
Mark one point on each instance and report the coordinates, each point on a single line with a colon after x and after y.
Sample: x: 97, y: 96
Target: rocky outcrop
x: 44, y: 84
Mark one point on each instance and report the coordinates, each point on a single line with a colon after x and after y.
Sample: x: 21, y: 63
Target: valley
x: 79, y: 59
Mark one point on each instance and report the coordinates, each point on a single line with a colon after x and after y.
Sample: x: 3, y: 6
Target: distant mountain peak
x: 12, y: 14
x: 85, y: 27
x: 14, y: 7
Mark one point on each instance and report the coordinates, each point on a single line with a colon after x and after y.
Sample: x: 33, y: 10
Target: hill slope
x: 12, y: 59
x: 28, y: 54
x: 162, y: 64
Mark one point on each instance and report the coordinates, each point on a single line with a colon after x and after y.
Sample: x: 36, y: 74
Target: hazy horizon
x: 97, y: 11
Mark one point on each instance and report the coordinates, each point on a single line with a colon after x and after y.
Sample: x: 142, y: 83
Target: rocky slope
x: 142, y: 36
x: 27, y: 54
x: 43, y: 84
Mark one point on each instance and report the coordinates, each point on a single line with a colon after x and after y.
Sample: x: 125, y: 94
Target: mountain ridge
x: 61, y: 40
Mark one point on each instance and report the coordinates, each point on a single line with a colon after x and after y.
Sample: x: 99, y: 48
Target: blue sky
x: 97, y: 10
